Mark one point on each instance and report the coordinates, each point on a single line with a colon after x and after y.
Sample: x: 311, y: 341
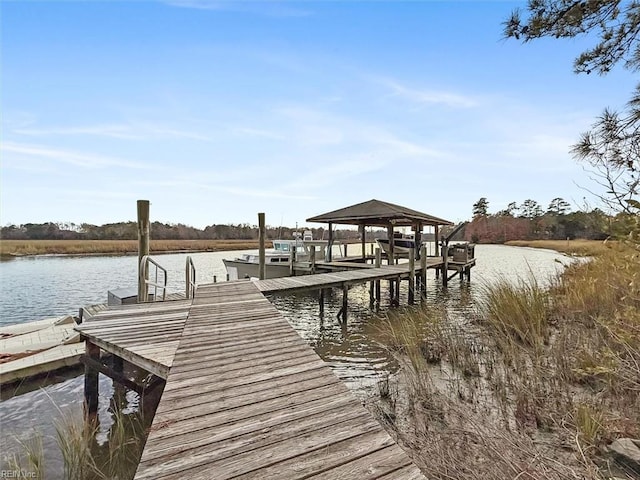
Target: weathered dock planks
x: 145, y: 334
x: 246, y: 397
x: 339, y: 279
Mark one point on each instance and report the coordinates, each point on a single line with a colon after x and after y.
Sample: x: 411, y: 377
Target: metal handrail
x: 144, y: 278
x: 190, y: 278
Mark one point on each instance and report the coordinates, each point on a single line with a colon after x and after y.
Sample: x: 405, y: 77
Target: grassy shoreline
x: 19, y: 248
x: 535, y: 384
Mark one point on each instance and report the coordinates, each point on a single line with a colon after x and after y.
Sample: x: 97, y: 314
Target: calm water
x: 40, y: 287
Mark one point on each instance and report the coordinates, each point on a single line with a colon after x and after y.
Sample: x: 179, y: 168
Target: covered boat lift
x: 376, y: 213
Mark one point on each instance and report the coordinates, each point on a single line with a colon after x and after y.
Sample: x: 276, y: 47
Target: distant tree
x: 530, y: 209
x: 510, y: 211
x: 558, y: 206
x: 612, y: 147
x: 481, y: 208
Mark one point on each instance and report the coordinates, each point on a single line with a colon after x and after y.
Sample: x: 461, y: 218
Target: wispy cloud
x: 84, y: 160
x: 424, y: 96
x: 271, y: 9
x: 128, y: 131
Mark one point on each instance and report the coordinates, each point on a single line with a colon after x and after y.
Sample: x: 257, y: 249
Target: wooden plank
x: 372, y: 465
x: 269, y: 441
x: 247, y: 426
x: 257, y: 461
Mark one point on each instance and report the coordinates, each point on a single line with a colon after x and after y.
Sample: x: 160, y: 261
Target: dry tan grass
x: 117, y: 247
x: 535, y: 387
x: 571, y: 247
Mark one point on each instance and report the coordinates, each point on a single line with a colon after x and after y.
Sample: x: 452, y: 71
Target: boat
x: 402, y: 244
x: 277, y: 260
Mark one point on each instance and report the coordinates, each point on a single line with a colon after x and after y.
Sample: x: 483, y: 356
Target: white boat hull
x: 401, y: 246
x: 238, y: 269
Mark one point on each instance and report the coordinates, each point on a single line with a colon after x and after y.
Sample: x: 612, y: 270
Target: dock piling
x: 92, y: 352
x: 261, y: 239
x: 143, y: 246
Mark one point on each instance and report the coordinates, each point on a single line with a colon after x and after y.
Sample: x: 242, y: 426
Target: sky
x: 215, y: 110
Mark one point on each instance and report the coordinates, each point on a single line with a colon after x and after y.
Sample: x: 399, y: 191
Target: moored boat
x: 277, y: 260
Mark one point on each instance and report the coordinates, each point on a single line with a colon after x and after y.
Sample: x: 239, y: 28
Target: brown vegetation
x: 117, y: 247
x: 535, y: 386
x: 571, y: 247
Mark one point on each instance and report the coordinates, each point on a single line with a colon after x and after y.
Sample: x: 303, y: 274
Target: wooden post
x: 143, y: 246
x: 364, y: 247
x: 391, y: 249
x: 330, y: 244
x: 378, y: 265
x: 261, y: 238
x: 398, y: 290
x: 312, y: 252
x: 436, y: 239
x: 445, y: 264
x: 412, y: 275
x: 292, y: 259
x: 423, y: 270
x: 92, y: 352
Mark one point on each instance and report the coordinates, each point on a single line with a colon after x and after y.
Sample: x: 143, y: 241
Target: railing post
x: 187, y: 274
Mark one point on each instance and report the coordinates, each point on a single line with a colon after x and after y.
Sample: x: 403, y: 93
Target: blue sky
x: 215, y: 110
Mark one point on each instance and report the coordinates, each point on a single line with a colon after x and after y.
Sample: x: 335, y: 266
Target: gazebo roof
x: 378, y: 213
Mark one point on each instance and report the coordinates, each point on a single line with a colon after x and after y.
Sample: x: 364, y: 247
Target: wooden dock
x: 245, y: 396
x: 341, y: 278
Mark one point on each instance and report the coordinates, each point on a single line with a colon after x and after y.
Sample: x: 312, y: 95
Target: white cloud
x: 271, y: 9
x: 427, y: 96
x: 85, y: 160
x: 127, y: 131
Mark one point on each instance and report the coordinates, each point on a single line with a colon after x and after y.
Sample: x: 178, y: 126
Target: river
x: 32, y: 288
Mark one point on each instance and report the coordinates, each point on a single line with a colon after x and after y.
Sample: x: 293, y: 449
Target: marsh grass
x: 30, y: 460
x: 117, y: 247
x: 535, y: 386
x: 82, y: 457
x: 517, y: 312
x: 583, y: 248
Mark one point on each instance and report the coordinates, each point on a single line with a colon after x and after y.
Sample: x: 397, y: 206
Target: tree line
x: 530, y: 221
x: 159, y: 231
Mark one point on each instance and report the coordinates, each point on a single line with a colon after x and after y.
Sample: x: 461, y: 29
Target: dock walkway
x: 340, y: 279
x: 246, y: 397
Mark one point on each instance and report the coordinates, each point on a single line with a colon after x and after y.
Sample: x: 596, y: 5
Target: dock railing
x: 158, y: 283
x: 190, y: 278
